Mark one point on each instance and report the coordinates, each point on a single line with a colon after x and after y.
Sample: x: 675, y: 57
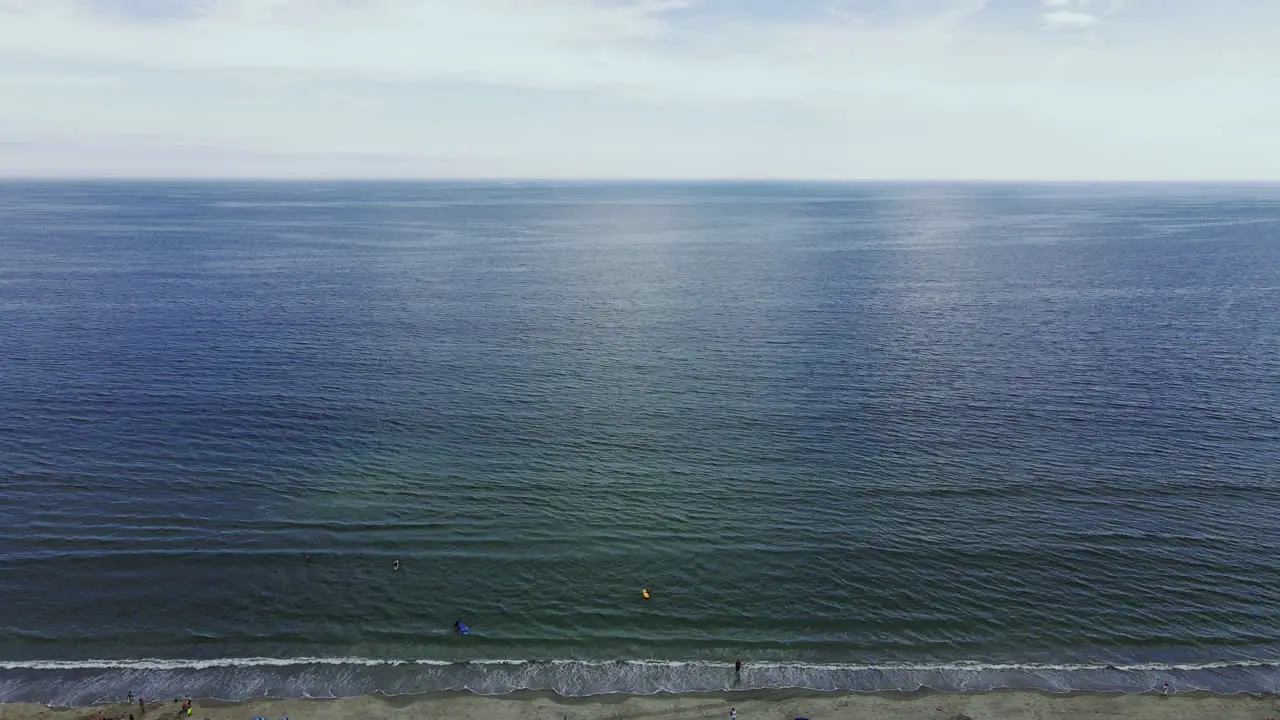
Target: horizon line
x: 628, y: 180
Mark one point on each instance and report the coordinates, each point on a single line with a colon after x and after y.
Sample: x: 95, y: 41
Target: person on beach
x: 1165, y: 691
x: 142, y: 709
x: 733, y: 713
x: 130, y: 698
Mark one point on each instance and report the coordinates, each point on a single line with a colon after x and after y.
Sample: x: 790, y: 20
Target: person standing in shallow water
x: 737, y: 666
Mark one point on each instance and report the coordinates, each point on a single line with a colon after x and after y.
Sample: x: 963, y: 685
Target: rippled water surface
x: 859, y: 436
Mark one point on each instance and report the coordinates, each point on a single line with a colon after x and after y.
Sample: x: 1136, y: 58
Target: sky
x: 1164, y: 90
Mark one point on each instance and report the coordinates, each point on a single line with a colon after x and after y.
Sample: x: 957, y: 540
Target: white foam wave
x: 959, y: 666
x: 158, y: 664
x: 81, y: 682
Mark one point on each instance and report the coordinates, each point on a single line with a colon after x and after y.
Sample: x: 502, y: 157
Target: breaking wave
x: 73, y: 683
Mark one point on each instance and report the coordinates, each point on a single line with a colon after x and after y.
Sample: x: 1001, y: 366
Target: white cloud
x: 938, y: 88
x: 1070, y: 20
x: 1077, y: 14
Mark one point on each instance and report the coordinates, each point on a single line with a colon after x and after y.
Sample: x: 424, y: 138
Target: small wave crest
x: 84, y: 682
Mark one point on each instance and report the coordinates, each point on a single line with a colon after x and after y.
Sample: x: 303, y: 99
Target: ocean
x: 863, y: 437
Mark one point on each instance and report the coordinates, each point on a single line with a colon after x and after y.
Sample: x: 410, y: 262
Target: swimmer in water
x: 395, y: 565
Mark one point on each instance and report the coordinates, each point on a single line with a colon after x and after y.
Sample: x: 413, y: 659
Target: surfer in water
x: 459, y: 627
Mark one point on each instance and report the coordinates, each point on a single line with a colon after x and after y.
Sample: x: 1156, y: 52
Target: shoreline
x: 81, y: 683
x: 922, y: 704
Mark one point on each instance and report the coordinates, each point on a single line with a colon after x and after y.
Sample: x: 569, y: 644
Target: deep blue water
x: 860, y: 436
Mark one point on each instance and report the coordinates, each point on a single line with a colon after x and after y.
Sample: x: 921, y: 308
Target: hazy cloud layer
x: 1053, y: 89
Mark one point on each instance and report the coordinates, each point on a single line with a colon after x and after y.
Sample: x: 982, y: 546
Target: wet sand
x: 1003, y: 705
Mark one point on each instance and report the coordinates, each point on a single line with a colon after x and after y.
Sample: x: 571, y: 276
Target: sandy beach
x: 1005, y: 705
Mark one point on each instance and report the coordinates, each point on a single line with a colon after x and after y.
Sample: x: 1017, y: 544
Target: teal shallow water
x: 862, y: 437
